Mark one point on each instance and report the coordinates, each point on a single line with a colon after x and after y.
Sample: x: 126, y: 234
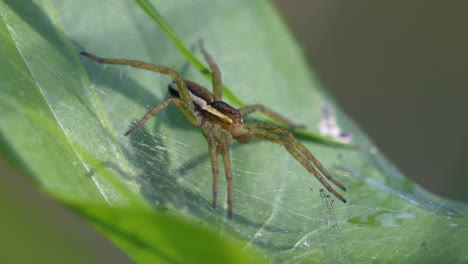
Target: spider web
x: 280, y: 212
x: 275, y: 209
x: 278, y: 206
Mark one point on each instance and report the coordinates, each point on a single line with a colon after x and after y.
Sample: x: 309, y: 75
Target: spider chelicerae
x: 221, y: 123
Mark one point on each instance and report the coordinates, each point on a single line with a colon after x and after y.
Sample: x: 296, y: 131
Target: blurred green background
x: 399, y: 68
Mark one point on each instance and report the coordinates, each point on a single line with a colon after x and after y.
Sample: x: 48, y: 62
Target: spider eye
x: 234, y: 113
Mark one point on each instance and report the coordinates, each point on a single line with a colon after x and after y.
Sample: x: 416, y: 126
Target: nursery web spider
x: 220, y: 123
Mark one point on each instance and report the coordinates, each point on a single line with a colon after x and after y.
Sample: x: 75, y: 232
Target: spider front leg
x: 299, y: 146
x: 211, y: 139
x: 297, y: 150
x: 184, y: 108
x: 224, y: 140
x: 219, y: 141
x: 182, y: 87
x: 247, y: 110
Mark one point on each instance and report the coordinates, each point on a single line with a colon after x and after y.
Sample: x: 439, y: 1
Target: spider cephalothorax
x: 220, y: 123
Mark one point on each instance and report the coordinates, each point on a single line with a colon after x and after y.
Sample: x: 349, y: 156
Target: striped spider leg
x: 221, y: 123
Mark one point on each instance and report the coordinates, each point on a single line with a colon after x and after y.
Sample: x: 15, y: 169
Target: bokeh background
x: 398, y: 68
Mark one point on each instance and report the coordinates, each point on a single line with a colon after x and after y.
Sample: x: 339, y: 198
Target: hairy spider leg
x: 248, y: 109
x: 182, y: 88
x: 295, y: 148
x: 228, y: 171
x: 224, y: 139
x: 210, y: 137
x: 216, y: 73
x: 219, y: 141
x: 188, y: 113
x: 303, y: 150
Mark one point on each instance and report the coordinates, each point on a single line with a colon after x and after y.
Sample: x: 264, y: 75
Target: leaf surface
x: 65, y: 117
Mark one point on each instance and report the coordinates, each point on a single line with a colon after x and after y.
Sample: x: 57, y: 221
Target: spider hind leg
x: 215, y: 73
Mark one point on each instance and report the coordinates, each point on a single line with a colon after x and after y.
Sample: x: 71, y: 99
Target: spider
x: 221, y: 123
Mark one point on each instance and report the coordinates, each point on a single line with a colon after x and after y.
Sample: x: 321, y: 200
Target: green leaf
x: 64, y: 116
x: 56, y: 129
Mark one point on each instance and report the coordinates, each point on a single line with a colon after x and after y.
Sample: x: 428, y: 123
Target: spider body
x: 221, y: 123
x: 215, y: 112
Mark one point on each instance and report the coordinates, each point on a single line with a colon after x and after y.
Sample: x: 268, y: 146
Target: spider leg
x: 210, y: 137
x: 186, y: 110
x: 224, y: 139
x: 216, y: 73
x: 247, y: 110
x: 295, y: 148
x: 182, y: 88
x: 227, y: 168
x: 302, y: 149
